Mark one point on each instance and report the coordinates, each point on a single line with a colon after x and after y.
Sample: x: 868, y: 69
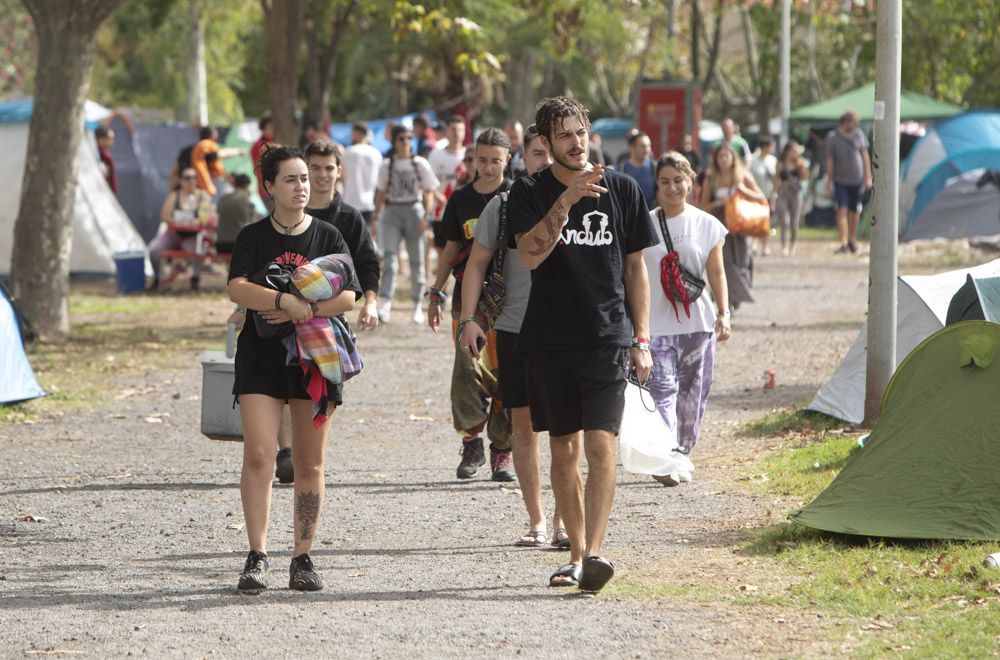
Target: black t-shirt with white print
x: 459, y: 224
x: 578, y: 292
x: 257, y: 245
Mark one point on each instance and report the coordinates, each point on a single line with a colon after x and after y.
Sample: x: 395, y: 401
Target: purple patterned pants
x: 681, y: 381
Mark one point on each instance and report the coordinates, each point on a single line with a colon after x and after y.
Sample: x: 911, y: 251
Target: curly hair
x: 551, y: 112
x: 272, y: 158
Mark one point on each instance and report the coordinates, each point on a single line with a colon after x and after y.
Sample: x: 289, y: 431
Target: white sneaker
x: 418, y: 315
x: 672, y: 479
x: 384, y: 308
x: 684, y: 476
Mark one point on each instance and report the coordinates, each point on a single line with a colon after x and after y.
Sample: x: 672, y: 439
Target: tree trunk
x: 43, y: 231
x: 521, y: 93
x: 322, y: 63
x: 716, y: 41
x: 197, y: 78
x: 283, y: 23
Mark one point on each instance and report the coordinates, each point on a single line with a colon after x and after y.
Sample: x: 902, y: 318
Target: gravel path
x: 142, y: 533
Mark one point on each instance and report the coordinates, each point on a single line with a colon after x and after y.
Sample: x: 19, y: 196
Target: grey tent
x: 969, y: 205
x: 977, y: 300
x: 143, y: 161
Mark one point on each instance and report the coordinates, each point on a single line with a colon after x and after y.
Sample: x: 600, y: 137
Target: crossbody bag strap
x: 501, y: 253
x: 665, y: 231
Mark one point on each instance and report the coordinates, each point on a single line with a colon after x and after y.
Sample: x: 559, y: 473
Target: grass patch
x: 116, y: 336
x: 926, y: 598
x: 817, y: 233
x: 806, y: 469
x: 781, y: 422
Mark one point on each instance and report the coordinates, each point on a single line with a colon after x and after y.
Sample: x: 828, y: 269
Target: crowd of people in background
x: 572, y: 269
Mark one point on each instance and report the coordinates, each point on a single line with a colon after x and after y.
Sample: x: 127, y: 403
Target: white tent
x: 922, y: 307
x: 100, y: 226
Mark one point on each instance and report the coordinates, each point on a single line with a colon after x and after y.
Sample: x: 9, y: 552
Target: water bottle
x: 230, y: 340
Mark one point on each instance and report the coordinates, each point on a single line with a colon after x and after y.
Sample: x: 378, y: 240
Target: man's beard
x: 564, y: 162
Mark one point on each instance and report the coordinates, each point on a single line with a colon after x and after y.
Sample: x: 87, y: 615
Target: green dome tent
x: 931, y: 468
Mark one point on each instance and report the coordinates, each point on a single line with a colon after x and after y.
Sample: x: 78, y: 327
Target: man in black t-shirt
x: 581, y: 229
x: 475, y: 396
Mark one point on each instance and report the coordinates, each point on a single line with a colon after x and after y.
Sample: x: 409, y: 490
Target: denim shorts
x: 847, y: 196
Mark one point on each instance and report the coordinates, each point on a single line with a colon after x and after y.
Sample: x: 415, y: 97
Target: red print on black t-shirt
x: 290, y: 259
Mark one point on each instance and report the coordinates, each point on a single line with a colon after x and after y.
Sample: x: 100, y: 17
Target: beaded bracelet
x: 437, y: 296
x: 277, y: 300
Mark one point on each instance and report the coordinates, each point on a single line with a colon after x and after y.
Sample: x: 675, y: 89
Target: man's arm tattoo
x: 307, y: 508
x: 552, y: 222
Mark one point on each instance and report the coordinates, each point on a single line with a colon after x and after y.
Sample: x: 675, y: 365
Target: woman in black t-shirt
x: 264, y: 383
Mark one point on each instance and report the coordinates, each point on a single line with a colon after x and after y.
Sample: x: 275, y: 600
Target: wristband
x: 437, y: 296
x: 314, y: 307
x: 724, y: 312
x: 277, y: 300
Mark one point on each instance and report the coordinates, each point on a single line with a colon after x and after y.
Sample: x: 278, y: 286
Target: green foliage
x: 143, y: 55
x: 20, y: 50
x: 951, y: 50
x: 501, y: 56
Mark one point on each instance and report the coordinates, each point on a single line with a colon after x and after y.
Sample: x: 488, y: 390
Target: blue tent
x: 966, y: 144
x: 17, y: 380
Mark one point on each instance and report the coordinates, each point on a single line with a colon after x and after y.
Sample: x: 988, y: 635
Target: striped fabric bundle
x: 325, y: 346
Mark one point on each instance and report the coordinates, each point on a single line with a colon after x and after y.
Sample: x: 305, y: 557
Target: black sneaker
x: 853, y: 247
x: 283, y: 468
x: 472, y: 458
x: 500, y: 464
x: 302, y: 576
x: 253, y: 580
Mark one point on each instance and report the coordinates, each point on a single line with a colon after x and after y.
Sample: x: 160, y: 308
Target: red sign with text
x: 668, y: 111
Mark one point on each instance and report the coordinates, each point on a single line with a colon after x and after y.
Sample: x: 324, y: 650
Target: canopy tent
x: 977, y: 300
x: 929, y: 468
x: 862, y: 101
x: 17, y: 380
x: 100, y: 226
x: 949, y: 162
x: 922, y: 309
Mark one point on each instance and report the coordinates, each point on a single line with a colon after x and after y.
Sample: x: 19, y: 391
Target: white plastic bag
x: 645, y: 443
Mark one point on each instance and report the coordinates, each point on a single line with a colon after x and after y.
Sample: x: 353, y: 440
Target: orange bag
x: 748, y: 217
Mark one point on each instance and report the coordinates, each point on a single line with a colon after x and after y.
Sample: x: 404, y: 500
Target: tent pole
x: 882, y: 269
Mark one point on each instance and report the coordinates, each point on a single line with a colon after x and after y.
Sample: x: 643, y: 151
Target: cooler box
x: 220, y: 420
x: 130, y: 268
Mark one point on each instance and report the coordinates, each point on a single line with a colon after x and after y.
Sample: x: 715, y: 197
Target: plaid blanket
x: 324, y: 346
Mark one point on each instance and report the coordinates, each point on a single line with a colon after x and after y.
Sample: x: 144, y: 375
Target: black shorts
x: 577, y: 389
x: 266, y: 373
x: 438, y: 228
x: 513, y: 375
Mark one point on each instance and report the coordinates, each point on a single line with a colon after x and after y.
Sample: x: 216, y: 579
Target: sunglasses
x: 189, y: 177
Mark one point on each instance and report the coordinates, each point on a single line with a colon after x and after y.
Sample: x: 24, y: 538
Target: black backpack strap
x: 664, y: 230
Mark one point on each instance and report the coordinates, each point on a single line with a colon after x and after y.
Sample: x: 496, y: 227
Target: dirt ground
x: 140, y: 535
